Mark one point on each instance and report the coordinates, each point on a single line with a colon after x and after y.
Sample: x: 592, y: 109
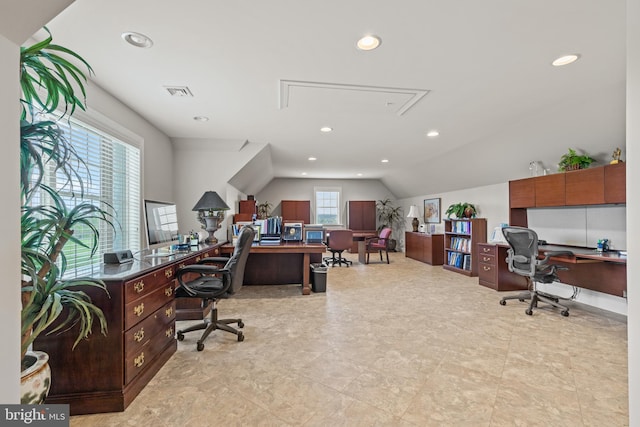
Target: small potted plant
x: 574, y: 161
x: 263, y: 210
x: 389, y: 216
x: 462, y: 210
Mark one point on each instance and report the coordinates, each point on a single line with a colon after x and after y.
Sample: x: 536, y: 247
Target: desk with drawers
x: 106, y: 373
x: 588, y: 269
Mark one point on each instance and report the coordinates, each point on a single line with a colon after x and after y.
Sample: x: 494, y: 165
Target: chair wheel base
x: 528, y: 311
x: 180, y: 336
x: 565, y: 313
x: 241, y: 324
x: 200, y: 346
x: 240, y: 337
x: 503, y: 302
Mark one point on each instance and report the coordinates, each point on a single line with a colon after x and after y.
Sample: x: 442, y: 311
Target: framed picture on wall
x: 432, y: 211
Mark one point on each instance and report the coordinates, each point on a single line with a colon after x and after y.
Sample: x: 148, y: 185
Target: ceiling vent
x: 178, y: 91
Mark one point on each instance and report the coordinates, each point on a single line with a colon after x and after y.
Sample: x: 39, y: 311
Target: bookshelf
x: 461, y: 238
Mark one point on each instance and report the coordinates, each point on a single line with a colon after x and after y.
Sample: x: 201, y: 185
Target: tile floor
x: 405, y: 344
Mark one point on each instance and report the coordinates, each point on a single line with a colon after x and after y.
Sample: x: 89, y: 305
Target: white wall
x: 10, y: 224
x: 303, y: 189
x: 633, y: 206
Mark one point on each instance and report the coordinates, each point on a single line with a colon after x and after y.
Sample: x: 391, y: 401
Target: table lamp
x: 413, y: 213
x: 210, y: 210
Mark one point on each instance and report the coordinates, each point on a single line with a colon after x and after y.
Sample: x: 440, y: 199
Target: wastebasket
x: 319, y: 277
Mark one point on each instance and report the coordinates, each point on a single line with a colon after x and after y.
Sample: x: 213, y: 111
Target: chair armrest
x: 555, y: 253
x: 214, y: 259
x: 203, y: 271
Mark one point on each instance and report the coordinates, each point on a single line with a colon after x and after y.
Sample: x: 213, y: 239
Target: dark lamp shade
x: 210, y: 201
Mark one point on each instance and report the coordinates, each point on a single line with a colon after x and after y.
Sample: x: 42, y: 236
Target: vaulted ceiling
x: 275, y: 72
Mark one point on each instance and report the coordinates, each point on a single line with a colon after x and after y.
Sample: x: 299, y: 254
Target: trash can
x: 319, y: 277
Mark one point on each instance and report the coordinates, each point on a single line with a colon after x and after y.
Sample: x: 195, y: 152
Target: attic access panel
x: 315, y: 96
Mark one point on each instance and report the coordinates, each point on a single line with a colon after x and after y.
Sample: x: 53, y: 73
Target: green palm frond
x: 48, y: 79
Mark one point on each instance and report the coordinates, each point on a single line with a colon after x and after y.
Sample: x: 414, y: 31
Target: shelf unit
x: 461, y: 238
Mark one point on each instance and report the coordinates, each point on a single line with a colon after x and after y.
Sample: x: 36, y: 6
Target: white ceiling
x: 274, y: 72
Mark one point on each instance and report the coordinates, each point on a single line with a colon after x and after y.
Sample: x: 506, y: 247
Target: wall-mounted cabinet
x: 586, y: 187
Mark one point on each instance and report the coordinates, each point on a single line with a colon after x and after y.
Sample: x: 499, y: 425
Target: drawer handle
x: 169, y: 311
x: 168, y: 291
x: 197, y: 258
x: 139, y: 286
x: 168, y: 273
x: 139, y: 335
x: 486, y: 259
x: 139, y: 361
x: 138, y: 310
x: 181, y: 265
x: 169, y: 332
x: 486, y: 268
x: 486, y: 249
x: 206, y: 254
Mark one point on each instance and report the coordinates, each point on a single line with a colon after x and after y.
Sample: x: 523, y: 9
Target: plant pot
x: 468, y: 213
x: 35, y: 378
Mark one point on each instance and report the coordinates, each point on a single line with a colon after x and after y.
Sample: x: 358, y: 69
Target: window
x: 113, y: 177
x: 328, y: 205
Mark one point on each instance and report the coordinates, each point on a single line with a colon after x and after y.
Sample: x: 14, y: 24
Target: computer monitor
x: 161, y: 220
x: 314, y: 233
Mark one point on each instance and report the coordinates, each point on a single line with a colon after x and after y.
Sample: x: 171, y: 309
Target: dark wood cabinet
x: 106, y: 373
x: 522, y: 193
x: 362, y: 215
x: 493, y: 271
x: 427, y: 248
x: 461, y: 238
x: 615, y: 183
x: 584, y: 187
x: 296, y: 210
x: 550, y: 190
x: 247, y: 207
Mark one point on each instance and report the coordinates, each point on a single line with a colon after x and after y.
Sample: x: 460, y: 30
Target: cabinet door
x: 296, y: 210
x: 585, y: 187
x: 550, y: 190
x: 247, y: 207
x: 615, y: 183
x: 362, y: 214
x: 522, y: 193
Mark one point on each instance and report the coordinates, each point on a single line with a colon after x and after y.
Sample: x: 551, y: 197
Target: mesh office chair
x: 213, y: 283
x: 338, y: 242
x: 522, y: 259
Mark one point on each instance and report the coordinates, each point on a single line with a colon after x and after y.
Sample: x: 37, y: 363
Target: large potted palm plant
x: 52, y: 86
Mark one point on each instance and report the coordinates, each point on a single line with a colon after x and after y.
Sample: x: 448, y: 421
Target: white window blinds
x: 112, y: 178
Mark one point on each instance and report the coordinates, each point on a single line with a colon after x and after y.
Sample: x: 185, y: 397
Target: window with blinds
x: 112, y: 177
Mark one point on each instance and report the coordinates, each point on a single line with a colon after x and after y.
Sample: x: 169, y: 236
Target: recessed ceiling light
x: 137, y: 39
x: 565, y: 60
x: 359, y: 174
x: 326, y: 129
x: 312, y: 159
x: 433, y: 133
x: 303, y: 174
x: 368, y: 42
x: 384, y: 160
x: 201, y: 119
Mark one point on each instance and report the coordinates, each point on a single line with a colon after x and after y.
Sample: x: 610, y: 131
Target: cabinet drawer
x: 487, y: 273
x: 142, y: 286
x: 487, y: 259
x: 141, y: 308
x: 139, y: 360
x: 163, y: 320
x: 486, y: 250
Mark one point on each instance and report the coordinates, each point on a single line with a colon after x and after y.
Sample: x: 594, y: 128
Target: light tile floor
x: 404, y: 344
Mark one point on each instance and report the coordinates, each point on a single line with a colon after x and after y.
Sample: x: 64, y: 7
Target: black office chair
x: 522, y: 259
x: 338, y: 242
x: 213, y: 283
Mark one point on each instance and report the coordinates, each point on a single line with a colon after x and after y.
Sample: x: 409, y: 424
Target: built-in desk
x: 285, y: 263
x: 105, y: 373
x: 598, y: 271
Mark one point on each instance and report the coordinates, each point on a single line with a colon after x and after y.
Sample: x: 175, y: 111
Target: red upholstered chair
x: 379, y: 244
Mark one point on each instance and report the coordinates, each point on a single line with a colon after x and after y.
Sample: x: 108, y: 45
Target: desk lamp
x: 413, y: 213
x: 211, y: 209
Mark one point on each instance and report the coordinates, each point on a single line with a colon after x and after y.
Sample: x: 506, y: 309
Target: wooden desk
x: 286, y: 263
x: 106, y: 373
x: 602, y: 272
